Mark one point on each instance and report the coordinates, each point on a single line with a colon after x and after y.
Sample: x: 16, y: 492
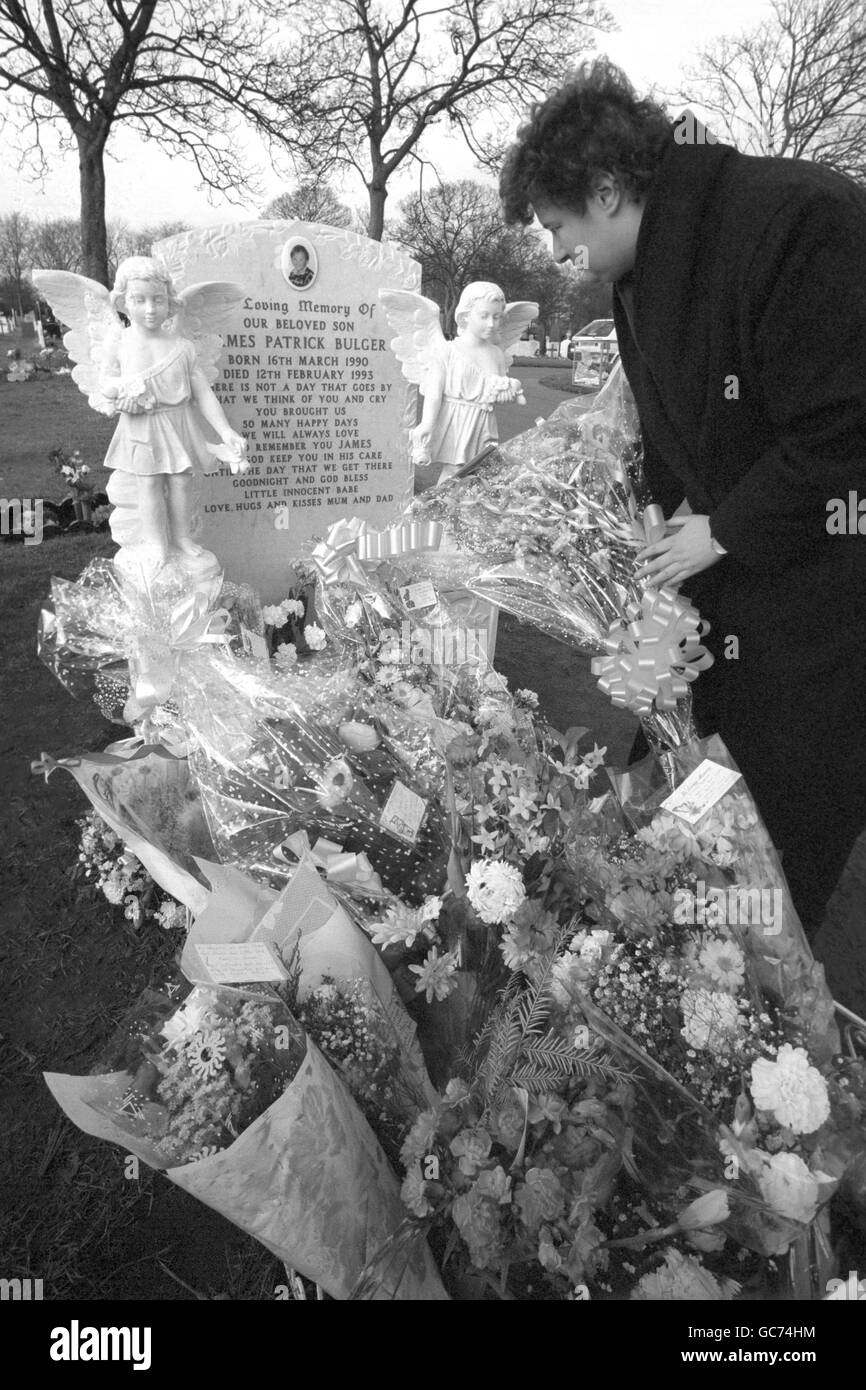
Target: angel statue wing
x: 93, y: 328
x: 516, y: 319
x: 205, y: 309
x: 420, y: 339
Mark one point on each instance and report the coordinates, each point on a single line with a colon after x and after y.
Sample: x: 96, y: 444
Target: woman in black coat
x: 740, y: 307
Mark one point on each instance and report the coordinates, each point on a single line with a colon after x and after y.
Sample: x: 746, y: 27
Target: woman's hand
x: 684, y: 551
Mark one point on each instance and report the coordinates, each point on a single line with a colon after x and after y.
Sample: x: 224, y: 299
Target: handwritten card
x: 700, y: 791
x: 240, y: 962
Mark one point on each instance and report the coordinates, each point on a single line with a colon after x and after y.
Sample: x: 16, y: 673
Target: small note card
x: 240, y: 962
x: 700, y: 791
x: 403, y: 813
x: 253, y: 644
x: 418, y: 596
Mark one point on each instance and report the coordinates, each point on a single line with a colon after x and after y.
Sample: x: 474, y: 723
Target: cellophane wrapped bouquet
x: 226, y: 1093
x: 310, y: 749
x: 548, y: 527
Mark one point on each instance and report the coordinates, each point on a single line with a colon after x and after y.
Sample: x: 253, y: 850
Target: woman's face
x: 484, y: 319
x: 145, y: 304
x: 601, y: 241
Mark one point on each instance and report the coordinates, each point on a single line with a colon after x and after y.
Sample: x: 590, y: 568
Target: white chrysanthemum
x: 723, y: 962
x: 711, y: 1019
x: 792, y: 1089
x: 495, y: 890
x: 434, y: 975
x: 315, y: 637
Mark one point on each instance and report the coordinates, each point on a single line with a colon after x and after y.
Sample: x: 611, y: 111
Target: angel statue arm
x: 235, y: 453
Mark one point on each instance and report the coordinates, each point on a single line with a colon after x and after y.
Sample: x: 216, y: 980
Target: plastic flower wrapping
x: 108, y: 639
x: 228, y: 1096
x: 279, y: 753
x: 452, y: 993
x: 548, y: 528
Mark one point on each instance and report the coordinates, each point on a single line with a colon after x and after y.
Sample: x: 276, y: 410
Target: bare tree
x: 795, y: 85
x: 366, y: 84
x: 125, y: 241
x: 453, y: 232
x: 16, y: 240
x: 56, y: 244
x: 180, y: 71
x: 457, y: 235
x: 314, y: 200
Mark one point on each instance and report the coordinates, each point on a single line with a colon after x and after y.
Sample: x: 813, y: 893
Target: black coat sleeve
x: 803, y: 322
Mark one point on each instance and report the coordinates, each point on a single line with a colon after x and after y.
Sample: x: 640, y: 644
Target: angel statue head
x: 139, y: 271
x: 480, y: 310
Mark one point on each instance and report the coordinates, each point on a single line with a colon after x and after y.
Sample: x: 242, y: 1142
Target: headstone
x: 308, y: 377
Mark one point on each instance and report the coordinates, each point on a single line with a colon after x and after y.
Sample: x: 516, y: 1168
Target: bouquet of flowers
x: 276, y: 753
x: 74, y: 471
x: 227, y: 1095
x: 147, y: 819
x: 105, y: 863
x: 123, y: 646
x: 697, y: 973
x: 548, y: 528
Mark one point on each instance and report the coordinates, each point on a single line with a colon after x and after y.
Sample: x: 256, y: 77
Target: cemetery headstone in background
x: 308, y: 377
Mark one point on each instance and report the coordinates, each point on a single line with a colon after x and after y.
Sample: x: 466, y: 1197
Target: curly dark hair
x: 594, y: 122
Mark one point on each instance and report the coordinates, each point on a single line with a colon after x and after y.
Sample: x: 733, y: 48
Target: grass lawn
x: 72, y: 965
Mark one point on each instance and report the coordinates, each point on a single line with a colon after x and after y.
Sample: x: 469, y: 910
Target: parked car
x: 594, y: 350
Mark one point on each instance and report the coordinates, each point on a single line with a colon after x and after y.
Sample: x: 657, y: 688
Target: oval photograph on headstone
x: 299, y: 263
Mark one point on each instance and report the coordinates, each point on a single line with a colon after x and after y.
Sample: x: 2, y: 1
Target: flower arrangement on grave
x: 105, y: 864
x: 74, y: 471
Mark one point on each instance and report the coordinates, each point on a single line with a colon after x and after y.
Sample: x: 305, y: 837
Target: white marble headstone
x: 308, y: 377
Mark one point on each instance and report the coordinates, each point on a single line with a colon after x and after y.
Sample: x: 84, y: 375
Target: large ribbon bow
x: 351, y: 870
x: 338, y: 558
x: 651, y: 660
x: 192, y: 624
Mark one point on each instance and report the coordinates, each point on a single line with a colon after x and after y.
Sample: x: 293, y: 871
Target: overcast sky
x: 656, y: 40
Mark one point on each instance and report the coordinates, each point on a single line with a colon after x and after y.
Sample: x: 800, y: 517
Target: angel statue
x: 156, y: 376
x: 461, y: 381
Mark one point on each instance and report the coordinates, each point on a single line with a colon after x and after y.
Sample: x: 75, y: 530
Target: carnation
x: 272, y: 613
x: 792, y: 1089
x: 495, y: 890
x: 682, y: 1279
x: 285, y: 656
x: 413, y: 1193
x: 471, y: 1147
x: 315, y: 637
x: 540, y: 1198
x: 788, y: 1187
x: 477, y: 1219
x: 419, y: 1141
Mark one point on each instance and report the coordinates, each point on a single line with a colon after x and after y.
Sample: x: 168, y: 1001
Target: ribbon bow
x: 652, y: 660
x: 351, y: 870
x: 192, y: 624
x: 338, y: 558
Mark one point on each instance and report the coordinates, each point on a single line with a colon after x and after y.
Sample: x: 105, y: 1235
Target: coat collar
x: 680, y: 221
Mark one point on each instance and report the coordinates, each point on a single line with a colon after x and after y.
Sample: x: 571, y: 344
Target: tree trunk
x: 376, y: 222
x: 94, y: 240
